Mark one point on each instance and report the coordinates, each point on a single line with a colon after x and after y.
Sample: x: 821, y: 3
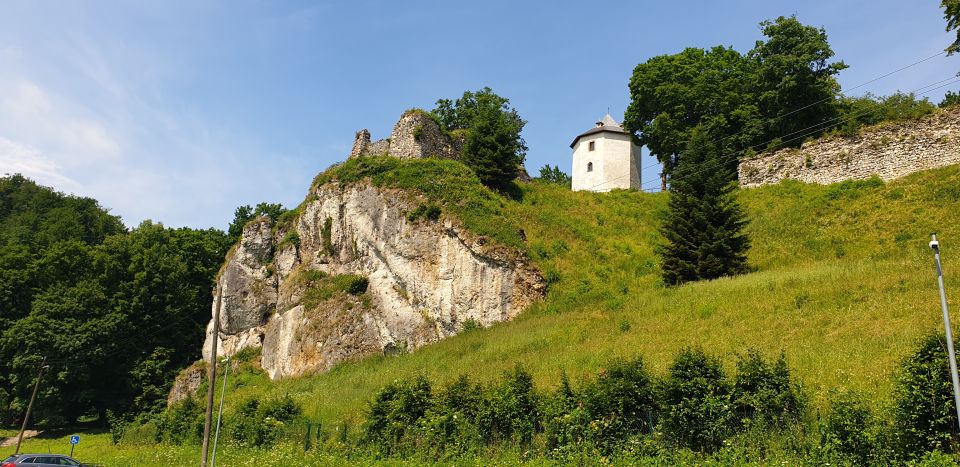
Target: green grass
x: 445, y: 182
x: 844, y: 286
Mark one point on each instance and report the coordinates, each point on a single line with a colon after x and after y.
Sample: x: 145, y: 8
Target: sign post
x: 935, y: 245
x: 74, y: 441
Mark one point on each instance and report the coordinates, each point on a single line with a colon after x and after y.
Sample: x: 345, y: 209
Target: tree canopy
x: 494, y: 148
x: 782, y: 87
x: 246, y: 213
x: 951, y: 13
x: 116, y: 313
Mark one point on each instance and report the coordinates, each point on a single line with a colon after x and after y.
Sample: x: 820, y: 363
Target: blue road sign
x: 75, y: 439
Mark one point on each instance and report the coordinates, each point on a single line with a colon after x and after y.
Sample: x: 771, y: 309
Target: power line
x: 815, y: 128
x: 839, y: 93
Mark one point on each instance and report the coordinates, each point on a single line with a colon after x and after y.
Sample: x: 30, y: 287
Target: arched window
x: 589, y: 166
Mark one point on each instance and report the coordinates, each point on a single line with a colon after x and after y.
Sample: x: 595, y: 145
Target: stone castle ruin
x: 889, y: 150
x: 416, y: 135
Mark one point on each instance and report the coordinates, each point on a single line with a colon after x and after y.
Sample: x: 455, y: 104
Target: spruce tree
x: 703, y: 227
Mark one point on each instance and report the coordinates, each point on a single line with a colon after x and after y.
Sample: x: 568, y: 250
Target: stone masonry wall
x: 415, y: 136
x: 890, y: 151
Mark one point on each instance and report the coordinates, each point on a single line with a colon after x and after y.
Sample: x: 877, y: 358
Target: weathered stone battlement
x: 416, y: 135
x: 890, y: 150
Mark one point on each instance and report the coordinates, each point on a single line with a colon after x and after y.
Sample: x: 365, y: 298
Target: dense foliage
x: 950, y: 99
x: 554, y: 175
x: 703, y: 228
x: 926, y: 418
x: 117, y: 314
x: 691, y: 407
x: 494, y: 148
x: 951, y: 13
x: 773, y: 95
x: 246, y: 213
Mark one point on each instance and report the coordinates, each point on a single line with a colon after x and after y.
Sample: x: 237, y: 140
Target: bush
x: 424, y: 211
x: 260, y: 424
x: 395, y: 414
x: 181, y: 423
x: 696, y: 397
x: 510, y: 412
x: 621, y: 403
x: 924, y: 408
x: 451, y: 422
x: 763, y: 393
x: 847, y: 429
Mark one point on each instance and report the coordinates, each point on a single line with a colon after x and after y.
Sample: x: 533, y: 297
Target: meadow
x: 843, y: 285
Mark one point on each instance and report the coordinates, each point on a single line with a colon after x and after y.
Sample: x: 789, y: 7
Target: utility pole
x: 211, y: 379
x: 216, y: 434
x: 36, y: 386
x: 935, y: 245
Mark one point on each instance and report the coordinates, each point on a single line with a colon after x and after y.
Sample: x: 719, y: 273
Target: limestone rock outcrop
x: 424, y: 280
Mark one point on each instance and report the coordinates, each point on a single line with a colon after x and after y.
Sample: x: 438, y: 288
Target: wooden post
x: 211, y: 379
x: 36, y: 385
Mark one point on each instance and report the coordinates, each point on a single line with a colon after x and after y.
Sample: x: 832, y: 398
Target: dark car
x: 38, y: 460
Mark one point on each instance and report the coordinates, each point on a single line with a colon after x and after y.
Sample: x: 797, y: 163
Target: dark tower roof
x: 606, y: 124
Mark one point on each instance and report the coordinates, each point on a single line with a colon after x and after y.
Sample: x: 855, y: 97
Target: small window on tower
x: 592, y: 143
x: 590, y: 164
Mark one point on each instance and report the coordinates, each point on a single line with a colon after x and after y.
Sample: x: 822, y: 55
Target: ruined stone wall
x: 891, y: 150
x: 415, y: 136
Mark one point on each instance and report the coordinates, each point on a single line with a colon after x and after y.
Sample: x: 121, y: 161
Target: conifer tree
x: 703, y: 227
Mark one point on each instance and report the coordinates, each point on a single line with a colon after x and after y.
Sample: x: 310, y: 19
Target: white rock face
x: 426, y: 279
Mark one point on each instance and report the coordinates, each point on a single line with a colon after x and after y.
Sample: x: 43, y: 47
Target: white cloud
x: 28, y: 161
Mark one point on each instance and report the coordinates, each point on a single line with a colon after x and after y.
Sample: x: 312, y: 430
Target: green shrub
x: 847, y: 429
x: 621, y: 403
x: 424, y: 211
x: 949, y: 99
x: 261, y: 424
x: 395, y: 414
x: 326, y: 234
x: 696, y: 398
x: 471, y: 325
x: 318, y: 286
x: 291, y: 237
x: 924, y: 407
x: 764, y: 393
x: 510, y: 412
x: 451, y: 423
x: 181, y: 423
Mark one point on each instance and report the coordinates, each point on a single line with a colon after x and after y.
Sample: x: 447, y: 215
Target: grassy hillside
x: 843, y: 286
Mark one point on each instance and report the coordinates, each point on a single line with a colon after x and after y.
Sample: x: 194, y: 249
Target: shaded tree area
x: 494, y: 148
x: 117, y: 313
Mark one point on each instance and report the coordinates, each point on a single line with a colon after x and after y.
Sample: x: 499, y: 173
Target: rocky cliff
x: 352, y: 273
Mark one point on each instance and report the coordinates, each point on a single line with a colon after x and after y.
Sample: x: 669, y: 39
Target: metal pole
x: 36, y: 385
x: 935, y: 245
x: 211, y: 380
x: 216, y: 434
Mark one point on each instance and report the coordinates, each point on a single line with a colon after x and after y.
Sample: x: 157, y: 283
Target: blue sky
x: 180, y: 111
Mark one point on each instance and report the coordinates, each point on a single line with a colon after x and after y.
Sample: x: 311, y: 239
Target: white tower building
x: 605, y: 158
